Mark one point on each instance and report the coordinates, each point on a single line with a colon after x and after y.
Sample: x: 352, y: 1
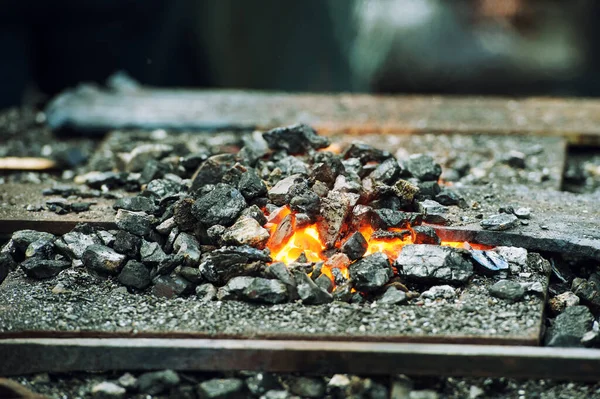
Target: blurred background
x: 504, y: 47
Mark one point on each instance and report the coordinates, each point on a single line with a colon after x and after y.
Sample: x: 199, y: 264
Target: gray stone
x: 488, y: 262
x: 434, y: 264
x: 135, y: 275
x: 514, y: 255
x: 246, y: 231
x: 279, y: 194
x: 227, y: 388
x: 523, y: 213
x: 136, y: 204
x: 23, y: 238
x: 295, y: 139
x: 102, y: 259
x: 206, y: 292
x: 449, y: 197
x: 40, y: 268
x: 308, y: 387
x: 501, y: 221
x: 430, y: 206
x: 251, y: 186
x: 355, y: 246
x: 371, y: 272
x: 423, y: 167
x: 151, y: 254
x: 588, y: 291
x: 439, y: 292
x: 308, y: 291
x: 389, y: 218
x: 569, y: 327
x: 324, y: 282
x: 509, y: 290
x: 158, y: 382
x: 108, y: 390
x: 425, y: 235
x: 392, y: 296
x: 138, y: 223
x: 106, y: 238
x: 220, y: 206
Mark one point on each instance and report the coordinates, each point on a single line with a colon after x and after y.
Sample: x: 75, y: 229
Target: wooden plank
x: 27, y: 356
x: 91, y: 108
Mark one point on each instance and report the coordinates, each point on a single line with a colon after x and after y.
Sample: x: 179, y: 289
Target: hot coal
x: 501, y: 221
x: 295, y: 139
x: 283, y: 232
x: 40, y: 268
x: 355, y: 246
x: 138, y: 223
x: 371, y: 272
x: 434, y: 264
x: 425, y: 235
x: 334, y: 210
x: 102, y: 260
x: 135, y: 275
x: 220, y: 206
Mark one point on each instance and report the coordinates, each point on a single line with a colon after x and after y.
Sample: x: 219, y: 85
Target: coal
x: 127, y: 244
x: 348, y: 184
x: 355, y: 246
x: 162, y: 188
x: 154, y: 170
x: 102, y: 259
x: 183, y: 215
x: 425, y: 235
x: 251, y: 186
x: 99, y: 179
x: 170, y: 286
x: 220, y: 206
x: 392, y: 296
x: 423, y: 167
x: 188, y: 247
x: 439, y: 292
x: 235, y: 287
x: 334, y: 210
x: 405, y: 191
x: 307, y: 387
x: 191, y: 274
x: 229, y: 388
x: 387, y: 172
x: 449, y: 197
x: 206, y: 292
x: 138, y: 223
x: 224, y: 263
x: 43, y: 249
x: 303, y: 200
x: 136, y: 204
x: 166, y: 226
x: 212, y: 170
x: 516, y: 159
x: 427, y: 189
x: 246, y: 231
x: 255, y: 213
x: 326, y: 168
x: 23, y: 238
x: 151, y: 254
x: 40, y: 268
x: 366, y: 153
x: 7, y: 264
x: 388, y: 218
x: 80, y: 206
x: 266, y: 291
x: 488, y: 262
x: 157, y: 382
x: 371, y: 272
x: 135, y: 275
x: 562, y: 301
x: 588, y: 290
x: 569, y: 327
x: 234, y: 174
x: 324, y: 282
x: 279, y: 194
x: 290, y: 165
x: 295, y: 139
x: 434, y: 264
x: 308, y: 291
x: 501, y: 221
x: 508, y: 290
x: 260, y: 383
x: 142, y: 154
x: 283, y: 232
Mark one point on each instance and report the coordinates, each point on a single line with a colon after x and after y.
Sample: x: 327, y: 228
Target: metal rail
x: 24, y: 356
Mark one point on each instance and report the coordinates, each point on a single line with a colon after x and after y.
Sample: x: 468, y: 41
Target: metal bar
x: 23, y: 356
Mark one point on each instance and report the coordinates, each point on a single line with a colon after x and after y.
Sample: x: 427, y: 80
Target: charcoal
x: 138, y: 223
x: 392, y: 296
x: 107, y: 238
x: 308, y: 291
x: 334, y: 210
x: 135, y: 275
x: 324, y: 282
x: 136, y: 204
x: 220, y: 206
x: 215, y: 233
x: 234, y: 174
x: 80, y: 206
x: 161, y: 188
x: 7, y: 263
x: 365, y: 153
x: 355, y: 246
x: 439, y: 292
x: 326, y: 168
x: 43, y: 249
x: 405, y: 191
x: 283, y: 232
x: 246, y: 231
x: 427, y: 189
x: 588, y: 290
x: 169, y: 287
x: 23, y: 238
x: 295, y: 139
x: 166, y: 226
x: 127, y: 244
x: 307, y: 387
x: 425, y: 235
x: 206, y: 292
x: 388, y: 218
x: 228, y: 388
x: 449, y: 197
x: 434, y: 264
x: 562, y: 301
x: 508, y: 290
x: 279, y: 194
x: 74, y: 243
x: 235, y: 287
x: 188, y: 247
x: 488, y: 262
x: 502, y: 221
x: 151, y: 254
x: 212, y: 170
x: 423, y: 167
x: 523, y: 213
x: 255, y: 213
x: 144, y: 153
x: 569, y: 327
x: 157, y: 382
x: 40, y: 268
x: 108, y: 390
x: 251, y: 186
x: 265, y: 291
x: 221, y: 264
x: 348, y: 184
x: 102, y: 260
x: 320, y: 189
x: 154, y: 170
x: 387, y: 172
x: 371, y: 272
x: 191, y: 274
x: 183, y: 214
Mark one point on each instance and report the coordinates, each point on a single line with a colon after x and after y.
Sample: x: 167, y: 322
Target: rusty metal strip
x: 25, y: 356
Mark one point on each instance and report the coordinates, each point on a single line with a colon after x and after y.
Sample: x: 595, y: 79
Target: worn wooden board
x: 92, y: 108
